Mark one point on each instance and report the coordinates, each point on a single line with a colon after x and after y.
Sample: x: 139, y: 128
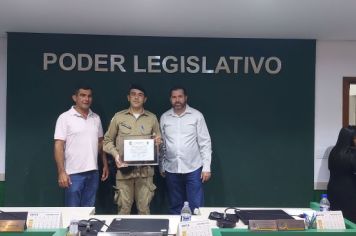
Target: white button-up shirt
x: 187, y: 141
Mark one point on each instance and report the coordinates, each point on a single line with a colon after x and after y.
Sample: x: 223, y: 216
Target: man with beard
x: 186, y: 161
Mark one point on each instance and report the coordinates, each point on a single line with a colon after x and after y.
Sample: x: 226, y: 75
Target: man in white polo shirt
x: 78, y: 140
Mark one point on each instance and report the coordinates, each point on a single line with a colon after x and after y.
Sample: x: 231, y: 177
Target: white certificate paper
x: 139, y: 150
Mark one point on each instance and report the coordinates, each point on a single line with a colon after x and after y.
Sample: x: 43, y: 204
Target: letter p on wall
x: 48, y: 58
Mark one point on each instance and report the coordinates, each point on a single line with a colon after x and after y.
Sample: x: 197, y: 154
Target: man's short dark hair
x: 178, y: 88
x: 138, y: 87
x: 82, y: 86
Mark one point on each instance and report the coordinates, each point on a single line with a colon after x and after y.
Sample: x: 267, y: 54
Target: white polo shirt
x: 81, y: 140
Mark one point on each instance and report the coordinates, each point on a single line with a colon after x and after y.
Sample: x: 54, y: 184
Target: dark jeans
x: 184, y: 187
x: 82, y: 191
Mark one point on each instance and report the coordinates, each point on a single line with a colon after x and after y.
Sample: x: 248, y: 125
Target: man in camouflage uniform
x: 134, y: 183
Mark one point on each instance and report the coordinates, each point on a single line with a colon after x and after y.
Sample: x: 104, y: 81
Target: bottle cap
x: 324, y: 195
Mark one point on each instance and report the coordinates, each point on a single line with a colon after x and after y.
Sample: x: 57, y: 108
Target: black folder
x: 246, y: 215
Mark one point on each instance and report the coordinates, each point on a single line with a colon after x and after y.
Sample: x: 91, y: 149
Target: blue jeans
x: 82, y: 191
x: 184, y: 187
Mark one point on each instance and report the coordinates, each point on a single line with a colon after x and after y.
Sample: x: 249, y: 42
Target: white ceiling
x: 299, y: 19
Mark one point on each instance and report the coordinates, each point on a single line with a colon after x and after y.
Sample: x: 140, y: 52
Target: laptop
x: 246, y: 215
x: 134, y: 225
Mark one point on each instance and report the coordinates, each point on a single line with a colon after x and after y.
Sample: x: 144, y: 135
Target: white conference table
x: 85, y: 213
x: 204, y: 214
x: 68, y: 213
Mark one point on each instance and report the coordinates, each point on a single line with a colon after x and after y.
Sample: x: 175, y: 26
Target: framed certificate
x: 140, y: 150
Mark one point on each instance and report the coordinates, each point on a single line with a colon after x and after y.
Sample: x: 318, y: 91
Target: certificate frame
x: 140, y: 150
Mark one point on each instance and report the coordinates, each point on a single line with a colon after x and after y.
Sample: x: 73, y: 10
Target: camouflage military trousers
x: 139, y: 189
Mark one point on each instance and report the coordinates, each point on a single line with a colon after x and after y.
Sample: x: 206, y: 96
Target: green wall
x: 103, y: 206
x: 2, y: 192
x: 261, y: 124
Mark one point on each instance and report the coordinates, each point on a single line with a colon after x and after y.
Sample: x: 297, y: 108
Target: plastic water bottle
x: 73, y: 228
x: 324, y: 203
x: 186, y: 213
